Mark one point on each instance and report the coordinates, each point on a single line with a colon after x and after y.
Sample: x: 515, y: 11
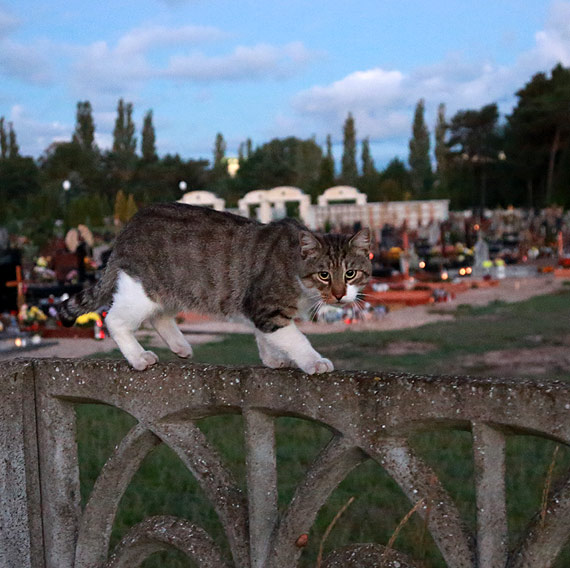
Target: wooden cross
x: 19, y: 284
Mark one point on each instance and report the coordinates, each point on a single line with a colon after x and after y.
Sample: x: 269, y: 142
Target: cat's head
x: 338, y: 266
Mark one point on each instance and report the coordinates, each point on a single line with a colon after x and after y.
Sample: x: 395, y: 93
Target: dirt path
x: 510, y: 290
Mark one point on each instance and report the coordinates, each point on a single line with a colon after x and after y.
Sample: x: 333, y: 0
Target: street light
x: 66, y: 184
x: 183, y: 186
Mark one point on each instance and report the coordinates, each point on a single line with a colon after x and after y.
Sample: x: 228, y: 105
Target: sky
x: 272, y: 69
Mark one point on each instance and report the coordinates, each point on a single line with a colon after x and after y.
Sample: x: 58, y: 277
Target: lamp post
x: 66, y: 184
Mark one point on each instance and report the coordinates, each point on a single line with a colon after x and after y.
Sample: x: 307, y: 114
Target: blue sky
x: 267, y: 69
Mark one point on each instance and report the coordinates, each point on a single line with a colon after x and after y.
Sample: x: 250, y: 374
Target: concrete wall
x: 371, y: 415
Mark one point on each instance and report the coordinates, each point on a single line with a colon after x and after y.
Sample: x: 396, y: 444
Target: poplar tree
x: 349, y: 172
x: 84, y: 134
x: 420, y: 166
x: 120, y: 209
x: 219, y: 153
x: 13, y: 148
x: 131, y: 208
x: 148, y: 143
x: 369, y: 179
x: 367, y: 161
x: 441, y: 149
x: 326, y: 175
x: 124, y: 141
x: 3, y: 140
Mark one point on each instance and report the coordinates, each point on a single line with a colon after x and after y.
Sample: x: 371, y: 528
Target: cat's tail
x: 89, y: 298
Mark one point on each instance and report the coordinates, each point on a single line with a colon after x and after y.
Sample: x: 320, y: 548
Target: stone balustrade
x: 371, y: 416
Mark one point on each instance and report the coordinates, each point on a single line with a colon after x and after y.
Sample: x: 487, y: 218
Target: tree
x: 349, y: 171
x: 420, y: 166
x: 474, y: 144
x: 13, y: 148
x: 539, y: 129
x: 120, y: 209
x: 288, y: 161
x: 84, y: 134
x: 369, y: 179
x: 3, y: 140
x: 131, y: 208
x: 219, y: 152
x: 441, y: 149
x: 148, y: 144
x: 326, y: 170
x: 124, y: 141
x: 394, y: 182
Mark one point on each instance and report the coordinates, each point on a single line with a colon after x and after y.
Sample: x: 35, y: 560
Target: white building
x: 267, y: 205
x: 204, y: 198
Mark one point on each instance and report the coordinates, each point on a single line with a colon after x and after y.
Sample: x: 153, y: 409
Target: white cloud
x: 382, y: 100
x: 17, y: 60
x: 36, y: 135
x: 159, y: 52
x: 244, y: 63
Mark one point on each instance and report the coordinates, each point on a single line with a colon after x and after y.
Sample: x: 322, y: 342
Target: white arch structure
x: 342, y: 193
x: 271, y: 202
x: 204, y: 198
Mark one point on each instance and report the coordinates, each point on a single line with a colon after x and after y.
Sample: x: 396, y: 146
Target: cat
x: 173, y: 256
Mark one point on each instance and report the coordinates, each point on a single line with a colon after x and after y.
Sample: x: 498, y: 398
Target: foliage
x: 480, y: 162
x: 84, y: 134
x: 326, y: 171
x: 420, y: 166
x: 538, y: 134
x: 148, y: 144
x: 349, y: 172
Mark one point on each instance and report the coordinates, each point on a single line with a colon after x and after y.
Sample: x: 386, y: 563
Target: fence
x: 42, y: 524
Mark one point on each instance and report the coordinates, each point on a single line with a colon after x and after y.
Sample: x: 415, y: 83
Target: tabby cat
x: 172, y: 257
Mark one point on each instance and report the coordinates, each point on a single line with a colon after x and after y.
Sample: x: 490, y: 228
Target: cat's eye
x: 350, y: 274
x: 324, y: 275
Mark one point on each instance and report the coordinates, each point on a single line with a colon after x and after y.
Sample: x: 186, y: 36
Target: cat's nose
x: 339, y: 297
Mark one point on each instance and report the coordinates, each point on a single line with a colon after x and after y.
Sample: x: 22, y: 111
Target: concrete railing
x: 42, y: 524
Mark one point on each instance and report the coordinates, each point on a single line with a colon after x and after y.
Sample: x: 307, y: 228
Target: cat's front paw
x: 317, y: 366
x: 276, y: 362
x: 144, y: 360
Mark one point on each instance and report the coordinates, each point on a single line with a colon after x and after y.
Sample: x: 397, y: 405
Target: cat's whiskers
x: 316, y: 308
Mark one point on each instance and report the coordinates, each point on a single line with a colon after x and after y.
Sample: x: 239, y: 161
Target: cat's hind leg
x: 167, y: 329
x: 131, y: 306
x: 295, y: 346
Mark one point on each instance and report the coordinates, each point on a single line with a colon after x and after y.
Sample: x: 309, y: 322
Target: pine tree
x: 349, y: 172
x: 420, y: 166
x: 148, y: 144
x: 84, y: 134
x: 13, y: 148
x: 441, y: 150
x: 3, y: 140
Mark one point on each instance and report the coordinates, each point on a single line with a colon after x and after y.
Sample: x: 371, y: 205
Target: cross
x: 19, y: 284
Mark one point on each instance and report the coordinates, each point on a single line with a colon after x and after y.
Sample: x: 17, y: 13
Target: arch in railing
x: 370, y: 414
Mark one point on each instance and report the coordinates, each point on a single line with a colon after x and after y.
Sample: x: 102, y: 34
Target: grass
x: 163, y: 485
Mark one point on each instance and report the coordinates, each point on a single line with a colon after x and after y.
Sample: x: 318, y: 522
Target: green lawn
x: 164, y: 486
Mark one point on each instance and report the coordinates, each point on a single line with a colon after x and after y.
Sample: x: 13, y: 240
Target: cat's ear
x: 310, y: 244
x: 361, y: 241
